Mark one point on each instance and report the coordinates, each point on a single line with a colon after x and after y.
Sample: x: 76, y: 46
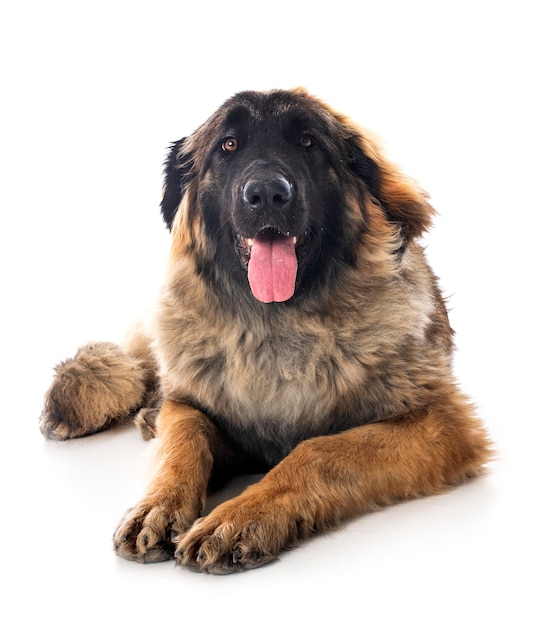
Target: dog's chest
x: 277, y: 379
x: 280, y: 373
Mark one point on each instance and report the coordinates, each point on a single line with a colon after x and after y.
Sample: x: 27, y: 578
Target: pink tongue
x: 272, y: 268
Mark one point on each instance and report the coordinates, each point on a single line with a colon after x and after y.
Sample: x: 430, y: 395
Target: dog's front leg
x: 176, y: 494
x: 329, y: 479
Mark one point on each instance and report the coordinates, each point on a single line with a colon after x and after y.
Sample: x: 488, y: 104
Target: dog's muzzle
x: 269, y: 249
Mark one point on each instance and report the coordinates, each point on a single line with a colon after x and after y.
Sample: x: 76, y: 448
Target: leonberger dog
x: 299, y: 334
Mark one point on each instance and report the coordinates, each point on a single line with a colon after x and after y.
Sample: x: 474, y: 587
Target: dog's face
x: 275, y: 189
x: 273, y: 193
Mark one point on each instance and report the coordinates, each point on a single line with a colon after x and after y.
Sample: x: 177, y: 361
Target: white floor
x: 463, y: 98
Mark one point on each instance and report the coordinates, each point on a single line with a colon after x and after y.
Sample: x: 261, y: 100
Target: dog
x: 300, y: 333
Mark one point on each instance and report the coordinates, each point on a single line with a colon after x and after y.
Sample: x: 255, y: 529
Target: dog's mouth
x: 271, y: 261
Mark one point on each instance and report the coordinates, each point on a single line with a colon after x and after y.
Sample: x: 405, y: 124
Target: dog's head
x: 277, y: 192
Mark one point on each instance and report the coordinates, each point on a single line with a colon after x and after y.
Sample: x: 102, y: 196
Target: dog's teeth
x: 294, y: 240
x: 250, y: 242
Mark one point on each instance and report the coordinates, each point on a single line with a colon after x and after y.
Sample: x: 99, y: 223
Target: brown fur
x: 100, y: 386
x: 345, y: 396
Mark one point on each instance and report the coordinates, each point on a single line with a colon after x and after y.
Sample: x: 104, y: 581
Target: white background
x: 91, y: 95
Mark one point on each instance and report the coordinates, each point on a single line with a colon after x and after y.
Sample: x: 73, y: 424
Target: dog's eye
x: 306, y: 141
x: 230, y: 144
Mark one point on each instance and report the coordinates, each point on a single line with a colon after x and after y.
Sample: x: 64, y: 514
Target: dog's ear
x: 363, y: 166
x: 401, y: 198
x: 177, y: 174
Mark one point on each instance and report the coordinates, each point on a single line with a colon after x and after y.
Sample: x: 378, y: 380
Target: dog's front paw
x: 236, y: 536
x: 147, y: 531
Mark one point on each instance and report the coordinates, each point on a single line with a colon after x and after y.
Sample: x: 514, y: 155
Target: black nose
x: 268, y: 193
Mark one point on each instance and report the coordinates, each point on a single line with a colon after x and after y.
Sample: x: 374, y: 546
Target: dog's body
x: 300, y: 332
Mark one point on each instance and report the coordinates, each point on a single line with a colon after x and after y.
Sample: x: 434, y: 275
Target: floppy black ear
x: 364, y: 167
x: 402, y: 200
x: 177, y: 173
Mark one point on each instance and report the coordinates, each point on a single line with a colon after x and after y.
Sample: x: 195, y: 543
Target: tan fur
x: 327, y: 480
x: 100, y: 386
x: 176, y: 497
x: 356, y: 380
